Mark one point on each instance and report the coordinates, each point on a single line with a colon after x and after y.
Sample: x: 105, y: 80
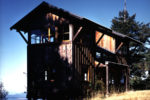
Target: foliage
x: 140, y: 54
x: 99, y: 85
x: 3, y: 92
x: 147, y: 81
x: 137, y: 83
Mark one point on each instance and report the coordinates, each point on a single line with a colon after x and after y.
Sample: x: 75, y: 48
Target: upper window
x: 66, y: 32
x: 59, y: 26
x: 66, y: 36
x: 57, y: 29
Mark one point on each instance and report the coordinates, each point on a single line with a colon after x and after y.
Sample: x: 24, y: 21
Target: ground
x: 130, y: 95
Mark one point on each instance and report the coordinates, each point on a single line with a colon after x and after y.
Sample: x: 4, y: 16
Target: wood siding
x: 84, y: 61
x: 65, y: 51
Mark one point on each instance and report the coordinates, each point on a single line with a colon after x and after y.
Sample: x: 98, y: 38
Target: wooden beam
x: 99, y: 39
x: 120, y: 45
x: 119, y: 64
x: 49, y: 34
x: 88, y: 75
x: 23, y: 37
x: 77, y: 33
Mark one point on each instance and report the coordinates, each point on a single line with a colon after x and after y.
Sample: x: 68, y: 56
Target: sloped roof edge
x: 126, y: 37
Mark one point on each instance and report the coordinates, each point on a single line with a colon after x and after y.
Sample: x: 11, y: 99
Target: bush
x: 100, y: 86
x: 3, y: 92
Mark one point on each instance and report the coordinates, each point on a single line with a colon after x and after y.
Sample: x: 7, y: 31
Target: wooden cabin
x: 67, y: 54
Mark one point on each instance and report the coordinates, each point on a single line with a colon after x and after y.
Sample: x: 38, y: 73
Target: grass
x: 130, y: 95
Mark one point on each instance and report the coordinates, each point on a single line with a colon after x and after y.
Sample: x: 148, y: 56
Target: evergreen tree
x: 140, y: 54
x: 3, y: 92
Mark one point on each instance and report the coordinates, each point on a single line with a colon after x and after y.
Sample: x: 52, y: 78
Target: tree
x: 3, y: 92
x: 140, y: 54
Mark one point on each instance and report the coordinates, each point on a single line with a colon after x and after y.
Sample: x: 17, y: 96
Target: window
x: 66, y: 36
x: 45, y: 75
x: 85, y: 76
x: 66, y: 32
x: 38, y: 36
x: 98, y: 54
x: 52, y: 39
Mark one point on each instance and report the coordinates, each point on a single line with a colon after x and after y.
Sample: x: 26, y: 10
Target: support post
x: 107, y: 79
x: 127, y: 78
x: 70, y: 32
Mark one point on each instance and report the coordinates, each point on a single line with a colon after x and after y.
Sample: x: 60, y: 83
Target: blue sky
x: 13, y: 48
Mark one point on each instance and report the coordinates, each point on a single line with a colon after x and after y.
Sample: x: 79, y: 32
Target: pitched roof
x: 38, y: 12
x: 26, y: 22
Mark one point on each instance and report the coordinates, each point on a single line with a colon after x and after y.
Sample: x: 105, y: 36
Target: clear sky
x: 13, y: 48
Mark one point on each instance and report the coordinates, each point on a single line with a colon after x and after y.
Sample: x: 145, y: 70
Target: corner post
x: 107, y: 78
x: 29, y: 38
